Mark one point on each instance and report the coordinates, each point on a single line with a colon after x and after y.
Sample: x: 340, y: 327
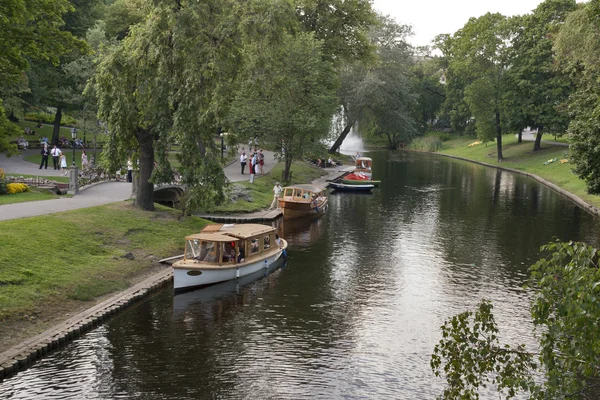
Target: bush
x: 13, y: 188
x: 443, y: 136
x: 48, y: 118
x: 427, y: 143
x: 3, y: 187
x: 1, y: 174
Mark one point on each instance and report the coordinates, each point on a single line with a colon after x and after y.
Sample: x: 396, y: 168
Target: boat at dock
x: 362, y: 174
x: 351, y: 188
x: 302, y: 200
x: 222, y: 252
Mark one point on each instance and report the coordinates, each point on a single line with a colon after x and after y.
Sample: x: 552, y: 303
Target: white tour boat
x: 221, y: 252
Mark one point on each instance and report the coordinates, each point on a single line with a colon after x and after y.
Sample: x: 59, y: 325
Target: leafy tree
x: 426, y: 77
x: 287, y: 95
x: 379, y: 93
x: 478, y: 60
x: 578, y: 53
x: 29, y: 30
x: 565, y: 312
x: 541, y: 91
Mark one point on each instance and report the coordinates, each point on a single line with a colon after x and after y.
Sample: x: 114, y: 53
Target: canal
x: 356, y: 310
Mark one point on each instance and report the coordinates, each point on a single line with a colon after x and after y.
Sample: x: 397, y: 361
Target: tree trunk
x: 56, y: 129
x: 288, y: 167
x: 537, y: 145
x: 498, y: 136
x: 338, y: 142
x: 144, y: 198
x: 520, y: 137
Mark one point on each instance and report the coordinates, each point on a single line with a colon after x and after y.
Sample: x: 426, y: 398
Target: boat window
x: 289, y: 192
x: 267, y: 242
x: 254, y: 246
x: 192, y: 248
x: 207, y: 252
x: 298, y: 192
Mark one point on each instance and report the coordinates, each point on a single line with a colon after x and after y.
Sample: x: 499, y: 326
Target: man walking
x: 45, y: 153
x: 252, y: 168
x: 277, y: 189
x: 243, y: 159
x: 55, y: 152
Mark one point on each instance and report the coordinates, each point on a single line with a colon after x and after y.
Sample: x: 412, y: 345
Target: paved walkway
x: 96, y: 195
x: 17, y: 165
x: 530, y: 136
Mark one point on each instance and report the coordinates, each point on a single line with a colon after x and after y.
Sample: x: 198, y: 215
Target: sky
x: 432, y: 17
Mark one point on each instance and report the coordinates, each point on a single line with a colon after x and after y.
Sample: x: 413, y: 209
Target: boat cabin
x: 221, y: 244
x: 364, y: 164
x: 302, y: 193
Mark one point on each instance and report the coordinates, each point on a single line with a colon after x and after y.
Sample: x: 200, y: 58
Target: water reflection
x: 356, y: 311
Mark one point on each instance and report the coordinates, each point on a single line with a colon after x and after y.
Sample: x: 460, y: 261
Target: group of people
x: 256, y: 161
x: 59, y: 159
x: 21, y: 141
x: 330, y: 163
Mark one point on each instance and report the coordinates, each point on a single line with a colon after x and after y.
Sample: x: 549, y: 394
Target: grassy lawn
x: 521, y: 157
x: 59, y: 260
x: 261, y: 191
x: 46, y: 130
x: 33, y: 195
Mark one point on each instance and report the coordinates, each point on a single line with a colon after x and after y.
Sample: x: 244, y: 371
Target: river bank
x: 545, y: 165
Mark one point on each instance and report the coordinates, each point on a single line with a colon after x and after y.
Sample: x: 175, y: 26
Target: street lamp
x: 221, y: 135
x: 73, y: 136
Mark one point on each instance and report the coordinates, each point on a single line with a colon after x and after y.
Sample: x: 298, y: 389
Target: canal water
x: 356, y: 310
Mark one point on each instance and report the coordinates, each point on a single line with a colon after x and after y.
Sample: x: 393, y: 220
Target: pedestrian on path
x: 129, y: 170
x: 252, y: 167
x: 63, y: 164
x: 243, y: 160
x: 45, y: 152
x: 277, y: 189
x: 84, y: 160
x: 55, y: 153
x: 261, y: 161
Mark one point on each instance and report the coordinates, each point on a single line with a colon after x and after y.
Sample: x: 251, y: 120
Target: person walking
x: 243, y: 160
x: 277, y: 189
x: 84, y: 160
x: 129, y: 170
x: 261, y: 161
x: 55, y: 153
x: 45, y: 152
x: 252, y: 167
x: 63, y: 164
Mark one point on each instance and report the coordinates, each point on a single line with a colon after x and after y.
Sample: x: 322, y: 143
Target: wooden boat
x: 351, y: 188
x: 364, y: 165
x: 302, y: 200
x: 224, y: 252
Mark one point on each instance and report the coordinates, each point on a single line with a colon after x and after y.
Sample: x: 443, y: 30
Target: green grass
x: 48, y: 262
x: 33, y: 195
x: 61, y: 179
x: 46, y: 130
x: 261, y: 191
x: 521, y: 157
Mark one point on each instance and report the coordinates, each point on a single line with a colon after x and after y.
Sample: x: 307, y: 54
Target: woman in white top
x: 63, y: 164
x: 243, y: 160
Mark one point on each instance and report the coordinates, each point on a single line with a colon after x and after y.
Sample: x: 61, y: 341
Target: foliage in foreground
x: 565, y: 312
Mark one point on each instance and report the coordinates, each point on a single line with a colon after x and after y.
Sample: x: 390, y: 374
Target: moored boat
x: 359, y: 178
x: 363, y: 165
x: 302, y: 200
x: 224, y: 252
x: 351, y: 188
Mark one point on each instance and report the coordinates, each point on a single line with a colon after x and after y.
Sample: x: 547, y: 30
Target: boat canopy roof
x: 363, y: 159
x: 230, y: 232
x: 310, y: 188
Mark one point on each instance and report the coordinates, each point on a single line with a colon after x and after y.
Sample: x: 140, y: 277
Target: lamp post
x: 73, y: 136
x: 221, y: 135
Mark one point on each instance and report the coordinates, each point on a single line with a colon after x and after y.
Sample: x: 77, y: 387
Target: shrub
x: 13, y: 188
x: 427, y: 143
x: 48, y: 118
x: 3, y: 187
x: 1, y: 174
x: 443, y: 136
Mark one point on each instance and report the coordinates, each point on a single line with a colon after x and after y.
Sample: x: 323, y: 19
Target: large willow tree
x: 166, y: 83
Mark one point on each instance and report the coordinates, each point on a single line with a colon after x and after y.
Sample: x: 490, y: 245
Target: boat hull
x: 351, y: 188
x: 199, y: 275
x: 360, y: 182
x: 293, y: 210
